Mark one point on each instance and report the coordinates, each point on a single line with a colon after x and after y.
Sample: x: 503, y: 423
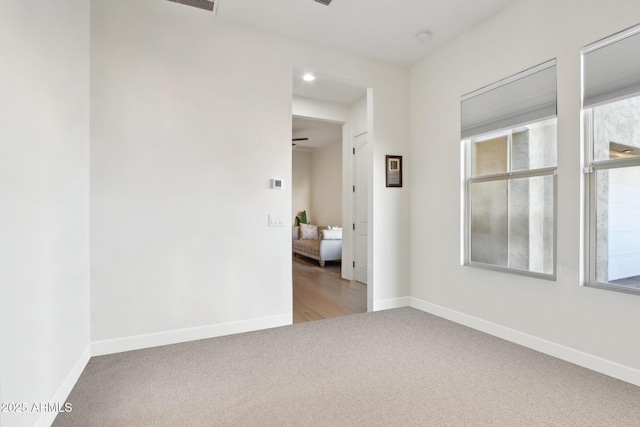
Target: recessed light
x: 423, y: 35
x: 627, y: 151
x: 308, y: 77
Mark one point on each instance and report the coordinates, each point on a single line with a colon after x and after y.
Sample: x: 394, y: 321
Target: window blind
x: 520, y: 99
x: 611, y: 68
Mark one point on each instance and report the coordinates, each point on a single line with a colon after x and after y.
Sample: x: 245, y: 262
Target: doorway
x: 330, y: 101
x: 319, y: 290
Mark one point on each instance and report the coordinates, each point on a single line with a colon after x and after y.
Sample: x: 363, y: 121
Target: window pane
x: 512, y: 223
x: 490, y: 156
x: 534, y: 147
x: 489, y: 223
x: 618, y: 226
x: 532, y: 242
x: 616, y: 130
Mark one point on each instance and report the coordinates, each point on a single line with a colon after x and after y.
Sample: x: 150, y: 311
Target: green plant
x: 301, y: 218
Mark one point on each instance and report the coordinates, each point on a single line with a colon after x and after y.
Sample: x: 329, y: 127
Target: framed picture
x: 394, y: 171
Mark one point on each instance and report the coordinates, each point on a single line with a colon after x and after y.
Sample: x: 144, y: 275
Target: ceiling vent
x: 211, y: 6
x: 324, y: 2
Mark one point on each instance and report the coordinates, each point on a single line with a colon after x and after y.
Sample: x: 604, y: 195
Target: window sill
x: 615, y: 288
x: 543, y: 276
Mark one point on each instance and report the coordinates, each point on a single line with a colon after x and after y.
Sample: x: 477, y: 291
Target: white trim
x: 515, y: 77
x: 137, y: 342
x: 47, y: 418
x: 387, y: 304
x: 586, y: 360
x: 611, y: 39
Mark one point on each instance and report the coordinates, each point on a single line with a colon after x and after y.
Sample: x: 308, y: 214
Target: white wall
x: 300, y: 183
x: 317, y: 109
x: 44, y: 202
x: 179, y: 199
x: 358, y: 116
x: 316, y: 184
x: 326, y: 185
x: 389, y: 228
x: 600, y: 323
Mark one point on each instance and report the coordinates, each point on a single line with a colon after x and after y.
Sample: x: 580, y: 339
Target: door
x: 362, y: 165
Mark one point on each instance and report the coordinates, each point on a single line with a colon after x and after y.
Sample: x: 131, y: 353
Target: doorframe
x: 354, y: 211
x: 350, y: 131
x: 308, y: 108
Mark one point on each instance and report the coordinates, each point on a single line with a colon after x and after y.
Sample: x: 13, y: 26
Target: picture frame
x: 393, y: 167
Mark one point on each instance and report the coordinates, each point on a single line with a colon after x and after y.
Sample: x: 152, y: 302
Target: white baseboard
x: 577, y: 357
x: 60, y: 398
x: 388, y: 304
x: 138, y: 342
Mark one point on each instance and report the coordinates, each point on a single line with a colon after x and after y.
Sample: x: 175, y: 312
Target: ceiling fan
x: 294, y: 140
x: 210, y: 5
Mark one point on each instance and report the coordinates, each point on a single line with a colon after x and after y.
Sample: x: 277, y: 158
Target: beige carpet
x: 392, y: 368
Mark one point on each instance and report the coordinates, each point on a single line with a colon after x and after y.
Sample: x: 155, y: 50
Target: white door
x: 362, y: 166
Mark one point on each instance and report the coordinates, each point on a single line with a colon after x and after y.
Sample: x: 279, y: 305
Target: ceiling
x: 320, y: 133
x: 380, y: 29
x: 327, y: 88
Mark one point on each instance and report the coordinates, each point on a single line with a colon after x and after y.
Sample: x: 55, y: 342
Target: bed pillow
x: 308, y: 232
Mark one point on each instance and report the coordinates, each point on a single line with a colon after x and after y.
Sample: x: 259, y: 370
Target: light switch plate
x: 276, y: 220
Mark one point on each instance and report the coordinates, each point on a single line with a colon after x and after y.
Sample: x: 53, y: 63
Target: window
x: 611, y: 109
x: 509, y: 133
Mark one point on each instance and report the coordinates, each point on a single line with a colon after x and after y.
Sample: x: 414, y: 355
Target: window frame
x: 590, y: 208
x: 469, y: 180
x: 609, y: 75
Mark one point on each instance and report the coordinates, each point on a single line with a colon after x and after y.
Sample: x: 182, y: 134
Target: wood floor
x: 320, y: 293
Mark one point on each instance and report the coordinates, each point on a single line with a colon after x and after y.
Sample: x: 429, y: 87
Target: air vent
x: 324, y: 2
x: 211, y: 6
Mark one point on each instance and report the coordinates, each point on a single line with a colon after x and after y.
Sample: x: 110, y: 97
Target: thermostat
x: 276, y: 183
